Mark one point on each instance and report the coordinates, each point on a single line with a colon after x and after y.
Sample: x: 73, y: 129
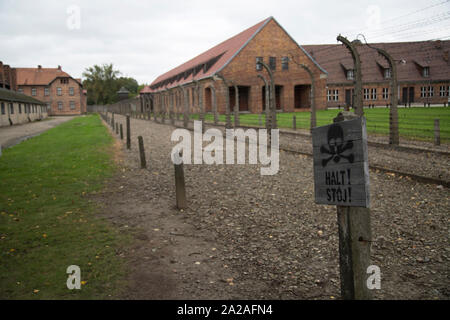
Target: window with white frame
x: 387, y: 73
x: 60, y: 105
x: 430, y: 91
x: 33, y: 91
x: 333, y: 95
x: 46, y: 91
x: 442, y: 91
x: 59, y: 91
x: 385, y: 93
x: 71, y: 91
x: 72, y: 105
x: 48, y: 105
x: 11, y: 108
x: 423, y: 92
x: 366, y: 94
x: 426, y: 71
x: 20, y: 90
x: 258, y: 65
x: 272, y: 63
x: 373, y: 94
x: 350, y: 74
x: 285, y: 63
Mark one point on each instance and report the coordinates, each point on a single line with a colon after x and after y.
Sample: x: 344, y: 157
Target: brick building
x: 62, y: 94
x: 7, y: 77
x: 236, y: 60
x: 16, y: 108
x: 423, y: 72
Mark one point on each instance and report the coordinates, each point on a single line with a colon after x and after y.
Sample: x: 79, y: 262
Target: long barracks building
x: 236, y: 60
x: 423, y: 72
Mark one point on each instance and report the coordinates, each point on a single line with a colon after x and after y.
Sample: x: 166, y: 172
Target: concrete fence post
x: 355, y: 239
x: 180, y: 188
x: 437, y: 133
x: 121, y: 132
x: 294, y: 122
x: 128, y: 132
x: 142, y: 152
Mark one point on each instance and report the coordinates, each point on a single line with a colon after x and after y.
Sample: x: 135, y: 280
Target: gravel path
x: 12, y: 135
x: 247, y: 236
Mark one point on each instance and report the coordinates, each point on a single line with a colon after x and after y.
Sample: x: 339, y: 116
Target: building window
x: 426, y: 71
x: 373, y: 94
x: 71, y: 91
x: 11, y: 108
x: 423, y: 92
x: 350, y: 74
x: 443, y: 91
x: 20, y: 91
x: 60, y: 105
x: 285, y: 63
x: 33, y: 91
x: 48, y: 106
x: 72, y: 105
x: 3, y: 108
x: 258, y: 65
x: 20, y: 108
x: 385, y: 93
x: 387, y: 73
x: 46, y: 91
x: 64, y: 81
x: 332, y: 95
x: 426, y: 91
x: 59, y: 91
x: 366, y: 94
x: 272, y: 63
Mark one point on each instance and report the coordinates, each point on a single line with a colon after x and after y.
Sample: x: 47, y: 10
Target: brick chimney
x: 39, y: 67
x: 59, y: 67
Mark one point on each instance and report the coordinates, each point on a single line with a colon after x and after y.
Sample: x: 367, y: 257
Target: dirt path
x: 12, y: 135
x: 247, y: 236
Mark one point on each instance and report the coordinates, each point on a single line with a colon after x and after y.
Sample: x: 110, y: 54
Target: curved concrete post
x: 171, y: 107
x: 393, y: 112
x: 358, y: 101
x: 200, y: 103
x: 214, y: 102
x: 186, y: 107
x: 165, y: 105
x: 313, y: 122
x: 200, y: 100
x: 273, y: 109
x: 267, y: 107
x: 157, y: 106
x: 227, y: 99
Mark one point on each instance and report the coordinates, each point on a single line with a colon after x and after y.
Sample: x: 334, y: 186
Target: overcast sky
x: 144, y: 39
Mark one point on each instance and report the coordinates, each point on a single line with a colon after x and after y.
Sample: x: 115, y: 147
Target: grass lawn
x: 416, y: 122
x: 47, y: 223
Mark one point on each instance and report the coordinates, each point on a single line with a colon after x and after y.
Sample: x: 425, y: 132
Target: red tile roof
x: 146, y: 89
x: 410, y: 56
x: 215, y: 58
x: 39, y: 76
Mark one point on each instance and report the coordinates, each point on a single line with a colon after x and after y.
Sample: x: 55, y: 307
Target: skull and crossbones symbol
x: 336, y: 146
